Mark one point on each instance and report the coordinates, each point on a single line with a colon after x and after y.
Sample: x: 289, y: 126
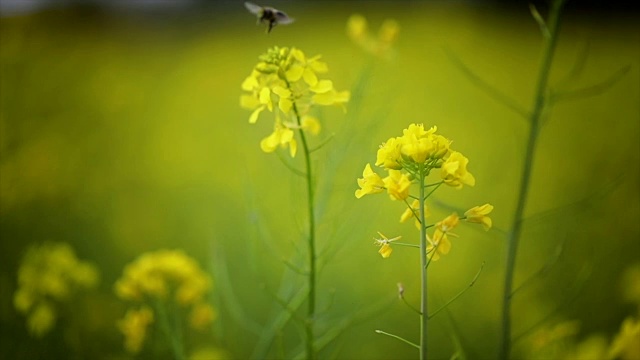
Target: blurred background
x: 121, y: 133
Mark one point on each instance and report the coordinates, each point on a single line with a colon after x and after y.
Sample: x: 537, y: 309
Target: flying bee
x: 268, y: 15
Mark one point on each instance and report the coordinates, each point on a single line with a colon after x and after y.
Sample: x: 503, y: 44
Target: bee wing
x: 253, y: 8
x: 283, y: 18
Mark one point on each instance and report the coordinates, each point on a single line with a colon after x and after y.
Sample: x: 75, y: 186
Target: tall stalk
x: 423, y: 269
x: 309, y: 338
x: 540, y: 102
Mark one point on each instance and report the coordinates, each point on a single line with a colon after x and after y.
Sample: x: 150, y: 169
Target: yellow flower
x: 134, y: 327
x: 478, y: 214
x: 160, y: 273
x: 397, y: 185
x: 438, y: 245
x: 41, y: 319
x: 370, y: 183
x: 202, y: 315
x: 286, y: 76
x: 454, y: 171
x: 281, y: 136
x: 50, y: 271
x: 448, y: 223
x: 311, y: 124
x: 389, y: 155
x: 381, y: 46
x: 357, y: 28
x: 384, y: 243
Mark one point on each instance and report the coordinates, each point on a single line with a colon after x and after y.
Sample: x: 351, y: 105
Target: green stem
x: 423, y: 268
x: 312, y: 238
x: 170, y: 332
x: 534, y: 121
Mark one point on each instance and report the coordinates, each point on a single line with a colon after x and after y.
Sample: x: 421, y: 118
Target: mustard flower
x: 370, y: 183
x: 397, y: 184
x: 385, y: 245
x: 454, y: 171
x: 280, y: 137
x: 448, y: 223
x: 438, y: 245
x: 49, y: 275
x: 161, y: 280
x: 134, y: 328
x: 389, y: 155
x: 410, y: 211
x: 357, y: 31
x: 287, y: 83
x: 478, y: 214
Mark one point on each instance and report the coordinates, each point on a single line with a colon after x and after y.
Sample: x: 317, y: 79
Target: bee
x: 268, y: 15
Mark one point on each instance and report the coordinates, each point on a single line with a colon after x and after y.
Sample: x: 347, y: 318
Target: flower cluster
x: 48, y: 275
x: 156, y: 279
x: 358, y: 32
x: 285, y: 82
x: 413, y: 156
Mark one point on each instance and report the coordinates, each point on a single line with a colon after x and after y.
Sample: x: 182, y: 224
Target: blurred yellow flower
x: 202, y: 315
x: 311, y: 124
x: 370, y: 183
x: 454, y: 171
x: 50, y: 271
x: 478, y: 214
x: 41, y: 319
x: 169, y: 284
x: 357, y: 31
x: 134, y: 328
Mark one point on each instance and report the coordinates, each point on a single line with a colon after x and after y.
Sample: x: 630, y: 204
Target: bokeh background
x: 121, y: 133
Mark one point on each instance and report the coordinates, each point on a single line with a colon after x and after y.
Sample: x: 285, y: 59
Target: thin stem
x: 475, y: 278
x: 534, y: 122
x: 168, y: 328
x: 423, y: 267
x: 399, y: 338
x: 312, y: 239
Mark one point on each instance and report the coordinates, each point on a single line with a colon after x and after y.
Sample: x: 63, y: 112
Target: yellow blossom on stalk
x: 438, y: 245
x: 287, y: 77
x: 134, y: 327
x: 370, y: 183
x: 357, y: 31
x: 389, y: 155
x: 411, y: 210
x: 454, y: 171
x: 49, y: 274
x: 478, y: 214
x: 161, y: 280
x: 448, y: 223
x: 397, y: 184
x: 384, y: 243
x: 280, y: 137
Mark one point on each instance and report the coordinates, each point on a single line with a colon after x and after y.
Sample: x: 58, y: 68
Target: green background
x: 121, y: 133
